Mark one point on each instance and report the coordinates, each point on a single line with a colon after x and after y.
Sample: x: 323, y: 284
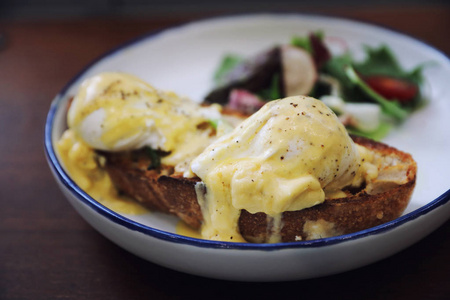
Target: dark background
x: 39, y: 9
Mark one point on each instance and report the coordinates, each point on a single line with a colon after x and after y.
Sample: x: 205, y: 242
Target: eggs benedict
x: 283, y: 174
x: 286, y: 157
x: 118, y: 112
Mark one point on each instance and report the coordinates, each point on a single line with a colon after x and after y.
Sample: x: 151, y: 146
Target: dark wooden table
x: 48, y: 252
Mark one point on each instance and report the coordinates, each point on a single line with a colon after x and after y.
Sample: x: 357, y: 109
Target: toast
x: 381, y: 201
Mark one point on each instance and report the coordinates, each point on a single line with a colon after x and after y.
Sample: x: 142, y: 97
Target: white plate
x: 182, y: 59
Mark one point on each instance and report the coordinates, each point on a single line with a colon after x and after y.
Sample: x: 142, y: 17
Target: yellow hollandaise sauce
x: 184, y: 229
x: 82, y: 164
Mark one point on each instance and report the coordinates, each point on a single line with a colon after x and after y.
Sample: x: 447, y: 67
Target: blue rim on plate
x: 172, y: 237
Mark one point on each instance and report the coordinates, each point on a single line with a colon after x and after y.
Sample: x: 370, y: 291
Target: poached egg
x: 119, y: 112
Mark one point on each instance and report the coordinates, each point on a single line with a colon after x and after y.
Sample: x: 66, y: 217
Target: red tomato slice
x: 392, y: 88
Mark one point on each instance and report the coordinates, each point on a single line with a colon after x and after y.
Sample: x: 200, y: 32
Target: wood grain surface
x: 48, y: 252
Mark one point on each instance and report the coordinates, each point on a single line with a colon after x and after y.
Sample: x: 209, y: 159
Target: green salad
x: 369, y: 96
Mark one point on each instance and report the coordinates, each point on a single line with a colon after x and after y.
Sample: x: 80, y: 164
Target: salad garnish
x: 369, y: 96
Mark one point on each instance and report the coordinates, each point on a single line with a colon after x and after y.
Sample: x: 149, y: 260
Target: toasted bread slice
x: 383, y: 200
x: 158, y: 189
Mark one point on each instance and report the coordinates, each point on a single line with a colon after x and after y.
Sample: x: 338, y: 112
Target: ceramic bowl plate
x: 182, y: 59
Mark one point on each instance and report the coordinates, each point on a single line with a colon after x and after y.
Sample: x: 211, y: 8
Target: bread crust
x: 163, y: 190
x: 158, y: 189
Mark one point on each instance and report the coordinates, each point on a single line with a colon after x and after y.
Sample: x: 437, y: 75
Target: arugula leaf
x: 155, y: 159
x: 415, y: 75
x: 273, y: 91
x: 377, y: 135
x: 305, y: 41
x: 227, y: 64
x: 320, y: 34
x: 335, y: 67
x: 214, y: 123
x: 392, y: 108
x: 302, y: 42
x: 381, y: 61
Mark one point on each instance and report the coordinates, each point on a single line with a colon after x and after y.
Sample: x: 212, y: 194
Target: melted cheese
x: 283, y: 158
